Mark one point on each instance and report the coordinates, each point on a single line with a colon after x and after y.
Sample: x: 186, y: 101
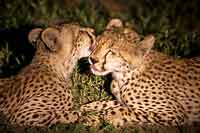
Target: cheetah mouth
x: 93, y: 68
x: 96, y: 71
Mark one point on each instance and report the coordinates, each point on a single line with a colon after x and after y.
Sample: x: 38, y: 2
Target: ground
x: 175, y: 25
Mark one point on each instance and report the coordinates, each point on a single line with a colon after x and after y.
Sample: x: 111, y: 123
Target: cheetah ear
x: 50, y: 38
x: 34, y: 35
x: 145, y: 45
x: 114, y: 23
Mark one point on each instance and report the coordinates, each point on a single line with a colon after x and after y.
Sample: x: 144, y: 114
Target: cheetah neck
x: 71, y: 63
x: 123, y: 75
x: 65, y: 69
x: 62, y: 67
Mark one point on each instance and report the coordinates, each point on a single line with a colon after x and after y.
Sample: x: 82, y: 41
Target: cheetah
x: 40, y: 94
x: 151, y: 88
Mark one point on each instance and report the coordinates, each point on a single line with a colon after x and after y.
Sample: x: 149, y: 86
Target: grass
x: 174, y: 23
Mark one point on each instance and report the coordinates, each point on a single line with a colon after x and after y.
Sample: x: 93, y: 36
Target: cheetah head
x: 118, y: 46
x: 60, y: 43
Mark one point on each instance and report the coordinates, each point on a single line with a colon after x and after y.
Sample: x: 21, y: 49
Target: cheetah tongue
x: 96, y: 71
x: 93, y: 68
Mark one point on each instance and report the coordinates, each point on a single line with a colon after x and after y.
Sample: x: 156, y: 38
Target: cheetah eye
x: 111, y: 52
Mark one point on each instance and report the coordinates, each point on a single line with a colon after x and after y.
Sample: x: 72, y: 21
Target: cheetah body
x: 150, y: 87
x: 40, y: 94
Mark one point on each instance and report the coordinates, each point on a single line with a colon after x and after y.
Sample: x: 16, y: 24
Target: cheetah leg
x: 97, y: 108
x: 122, y: 116
x: 115, y: 89
x: 40, y: 114
x: 99, y: 105
x: 91, y: 119
x: 118, y: 116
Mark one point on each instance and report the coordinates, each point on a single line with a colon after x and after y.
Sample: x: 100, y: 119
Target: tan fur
x: 40, y: 94
x: 150, y: 87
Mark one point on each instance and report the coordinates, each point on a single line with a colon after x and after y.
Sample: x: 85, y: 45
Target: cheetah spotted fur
x: 40, y: 94
x: 150, y: 87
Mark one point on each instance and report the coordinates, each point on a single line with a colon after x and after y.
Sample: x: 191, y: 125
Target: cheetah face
x: 114, y: 51
x: 85, y: 42
x: 110, y: 62
x: 60, y: 42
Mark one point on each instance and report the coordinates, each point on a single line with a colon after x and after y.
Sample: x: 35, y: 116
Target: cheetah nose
x: 91, y: 60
